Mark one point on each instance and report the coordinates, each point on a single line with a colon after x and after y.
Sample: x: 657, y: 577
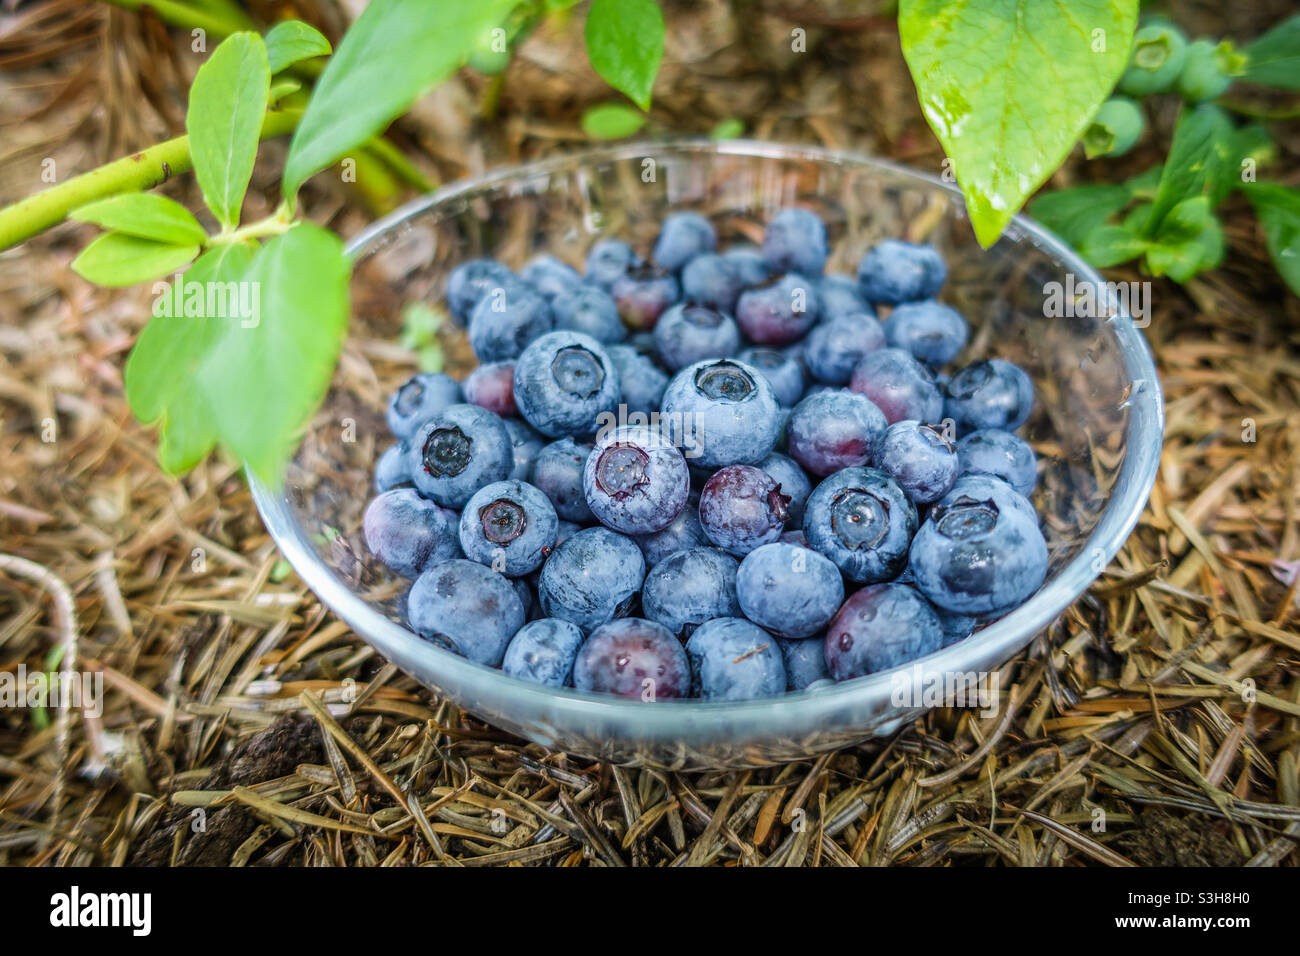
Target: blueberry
x: 795, y: 241
x: 684, y: 532
x: 591, y: 578
x: 422, y: 397
x: 933, y: 332
x: 527, y: 597
x: 689, y: 333
x: 589, y: 309
x: 955, y: 627
x: 749, y: 265
x: 634, y: 481
x: 510, y: 526
x: 879, y: 627
x: 833, y: 349
x: 470, y: 281
x: 732, y: 659
x: 565, y: 531
x: 713, y: 280
x: 794, y: 483
x: 782, y: 371
x: 607, y: 260
x: 390, y: 470
x: 526, y: 445
x: 633, y: 658
x: 833, y: 430
x: 1159, y: 52
x: 863, y: 521
x: 989, y: 451
x: 1114, y: 129
x: 742, y: 508
x: 643, y: 382
x: 543, y: 652
x: 919, y: 458
x: 457, y: 452
x: 407, y: 533
x: 788, y: 590
x: 989, y: 394
x: 721, y: 413
x: 779, y: 310
x: 492, y: 386
x: 1208, y: 69
x: 994, y: 489
x: 549, y: 276
x: 683, y: 236
x: 895, y: 271
x: 840, y: 295
x: 465, y: 608
x: 974, y: 555
x: 898, y: 385
x: 642, y: 294
x: 558, y: 473
x: 690, y: 587
x: 506, y: 319
x: 805, y: 662
x: 563, y: 381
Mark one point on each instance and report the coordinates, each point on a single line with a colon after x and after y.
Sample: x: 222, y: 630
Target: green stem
x: 182, y: 15
x: 134, y: 173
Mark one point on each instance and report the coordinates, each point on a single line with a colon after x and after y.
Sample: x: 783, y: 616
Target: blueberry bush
x: 1008, y: 86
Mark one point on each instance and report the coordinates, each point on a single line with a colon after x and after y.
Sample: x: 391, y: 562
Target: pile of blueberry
x: 710, y: 474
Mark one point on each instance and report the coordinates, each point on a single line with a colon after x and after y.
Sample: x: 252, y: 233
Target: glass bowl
x: 1097, y: 423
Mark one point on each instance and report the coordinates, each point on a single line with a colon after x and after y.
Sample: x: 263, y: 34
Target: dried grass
x: 1168, y: 698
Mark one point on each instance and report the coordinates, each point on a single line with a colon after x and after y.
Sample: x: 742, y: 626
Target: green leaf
x: 1073, y: 213
x: 1274, y: 59
x: 1278, y: 208
x: 1009, y: 85
x: 625, y: 42
x: 265, y: 380
x: 147, y: 215
x: 394, y: 52
x: 292, y: 41
x: 1196, y: 162
x: 612, y: 121
x: 1180, y: 261
x: 1186, y: 221
x: 224, y: 121
x: 731, y: 128
x: 116, y: 259
x: 1108, y: 246
x: 161, y: 373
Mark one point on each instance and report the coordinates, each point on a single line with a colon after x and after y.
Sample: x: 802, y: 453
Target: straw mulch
x: 1158, y: 722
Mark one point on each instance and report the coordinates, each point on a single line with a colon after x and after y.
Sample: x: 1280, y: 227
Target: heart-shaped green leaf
x: 224, y: 121
x: 625, y: 43
x: 1009, y: 85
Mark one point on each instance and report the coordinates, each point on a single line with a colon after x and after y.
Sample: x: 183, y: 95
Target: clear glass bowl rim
x: 668, y: 719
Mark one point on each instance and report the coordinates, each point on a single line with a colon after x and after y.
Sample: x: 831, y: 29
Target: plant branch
x: 134, y: 173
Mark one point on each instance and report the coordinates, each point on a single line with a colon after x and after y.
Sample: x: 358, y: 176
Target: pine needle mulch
x: 1158, y: 722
